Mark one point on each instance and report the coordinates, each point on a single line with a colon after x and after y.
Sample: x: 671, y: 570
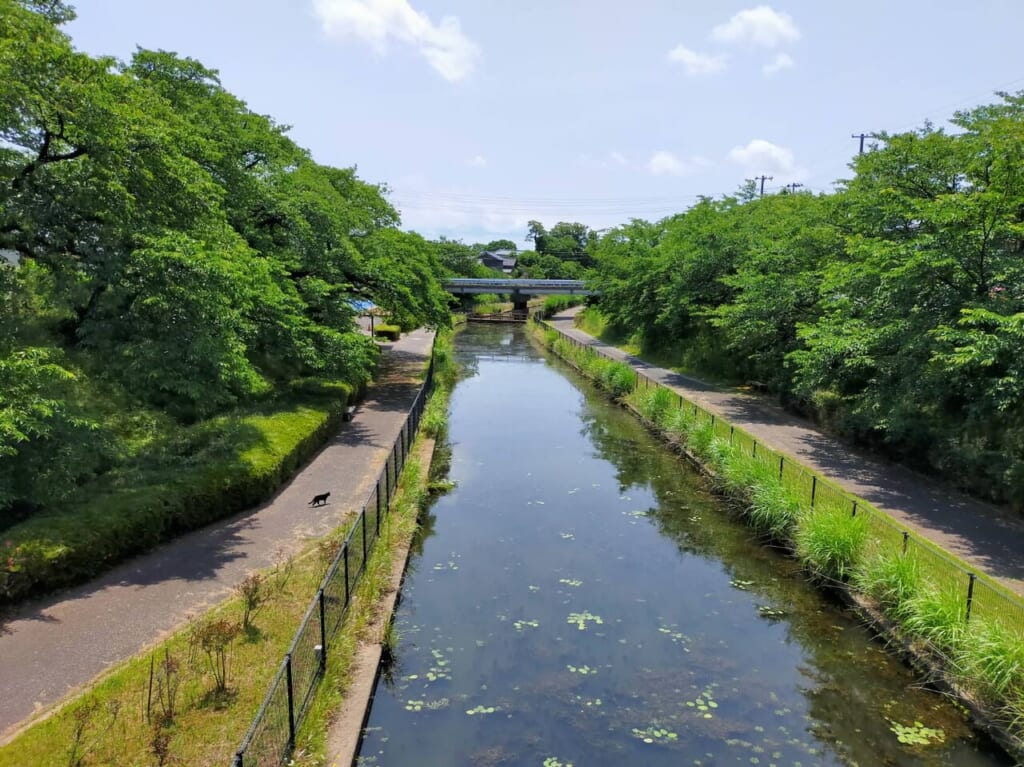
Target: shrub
x: 680, y: 422
x: 993, y: 659
x: 618, y: 378
x: 890, y: 578
x: 655, y: 404
x: 254, y: 596
x: 830, y: 542
x: 204, y: 473
x: 554, y: 304
x: 774, y: 508
x: 700, y: 437
x: 390, y: 332
x: 937, y: 615
x: 215, y: 639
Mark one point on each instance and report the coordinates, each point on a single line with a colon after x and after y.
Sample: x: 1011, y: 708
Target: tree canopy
x: 891, y: 309
x: 167, y: 240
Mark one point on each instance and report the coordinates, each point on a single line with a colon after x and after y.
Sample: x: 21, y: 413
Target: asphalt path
x: 50, y: 648
x: 989, y: 537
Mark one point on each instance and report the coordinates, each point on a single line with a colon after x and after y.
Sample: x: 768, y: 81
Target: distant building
x: 502, y: 260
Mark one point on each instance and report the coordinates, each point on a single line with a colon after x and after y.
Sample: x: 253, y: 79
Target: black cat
x: 320, y: 500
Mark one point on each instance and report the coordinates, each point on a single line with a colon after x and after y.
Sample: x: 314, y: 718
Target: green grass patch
x: 188, y: 478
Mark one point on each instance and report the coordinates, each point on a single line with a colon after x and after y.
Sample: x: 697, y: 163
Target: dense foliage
x: 167, y: 256
x: 892, y: 309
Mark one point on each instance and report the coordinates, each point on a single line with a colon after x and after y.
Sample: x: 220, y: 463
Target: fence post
x: 291, y: 702
x: 731, y: 430
x: 970, y: 595
x: 782, y: 464
x: 854, y: 512
x: 378, y: 507
x: 814, y: 488
x: 363, y: 565
x: 906, y: 540
x: 323, y: 632
x: 753, y: 450
x: 347, y: 588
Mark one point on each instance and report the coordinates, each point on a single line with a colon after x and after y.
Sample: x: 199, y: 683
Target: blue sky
x: 481, y: 115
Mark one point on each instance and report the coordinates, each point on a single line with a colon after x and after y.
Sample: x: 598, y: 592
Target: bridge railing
x: 270, y: 739
x: 526, y: 286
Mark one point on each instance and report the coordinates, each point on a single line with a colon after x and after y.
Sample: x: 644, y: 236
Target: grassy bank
x: 842, y: 541
x: 177, y: 478
x: 187, y: 703
x: 692, y: 359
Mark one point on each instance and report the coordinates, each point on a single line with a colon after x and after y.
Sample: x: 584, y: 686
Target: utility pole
x: 762, y: 179
x: 863, y: 136
x: 792, y: 187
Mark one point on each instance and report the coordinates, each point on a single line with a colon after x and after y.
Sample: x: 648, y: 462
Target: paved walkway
x: 51, y: 647
x: 986, y: 536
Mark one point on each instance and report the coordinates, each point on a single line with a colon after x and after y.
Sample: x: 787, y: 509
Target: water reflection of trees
x: 854, y: 687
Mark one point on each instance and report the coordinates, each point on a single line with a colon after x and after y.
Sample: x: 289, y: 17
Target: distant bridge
x: 519, y: 288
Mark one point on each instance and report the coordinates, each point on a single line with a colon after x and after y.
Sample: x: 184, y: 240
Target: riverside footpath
x: 51, y: 647
x: 988, y: 537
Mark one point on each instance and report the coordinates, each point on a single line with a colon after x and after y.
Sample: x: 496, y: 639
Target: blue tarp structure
x: 361, y: 305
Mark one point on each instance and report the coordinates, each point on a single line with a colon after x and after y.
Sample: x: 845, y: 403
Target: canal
x: 581, y: 597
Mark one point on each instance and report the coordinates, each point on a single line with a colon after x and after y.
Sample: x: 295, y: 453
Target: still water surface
x: 582, y: 598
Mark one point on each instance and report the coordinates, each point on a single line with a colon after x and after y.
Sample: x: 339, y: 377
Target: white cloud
x: 618, y: 158
x: 780, y: 62
x: 478, y: 161
x: 760, y: 26
x: 443, y: 45
x: 696, y: 64
x: 663, y: 163
x: 760, y: 156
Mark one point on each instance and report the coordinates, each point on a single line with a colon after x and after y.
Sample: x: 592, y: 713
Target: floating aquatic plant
x: 677, y: 637
x: 580, y: 619
x: 740, y: 584
x: 916, y: 734
x: 584, y: 670
x: 520, y: 625
x: 429, y: 705
x: 482, y: 710
x: 439, y: 668
x: 552, y: 761
x: 574, y: 582
x: 704, y: 703
x: 770, y: 612
x: 568, y: 536
x: 655, y: 734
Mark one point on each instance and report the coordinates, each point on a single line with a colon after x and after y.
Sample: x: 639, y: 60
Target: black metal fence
x: 981, y: 595
x: 271, y: 737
